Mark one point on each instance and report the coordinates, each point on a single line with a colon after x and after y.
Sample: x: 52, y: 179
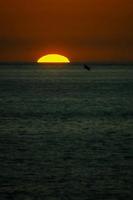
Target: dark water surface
x: 66, y: 133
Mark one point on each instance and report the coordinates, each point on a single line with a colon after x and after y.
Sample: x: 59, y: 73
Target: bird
x: 86, y: 67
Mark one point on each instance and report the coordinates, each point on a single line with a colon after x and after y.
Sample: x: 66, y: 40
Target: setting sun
x: 53, y: 58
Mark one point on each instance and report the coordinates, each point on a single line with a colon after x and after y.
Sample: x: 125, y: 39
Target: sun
x: 53, y: 58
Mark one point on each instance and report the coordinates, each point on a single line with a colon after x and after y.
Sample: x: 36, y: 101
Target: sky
x: 82, y: 30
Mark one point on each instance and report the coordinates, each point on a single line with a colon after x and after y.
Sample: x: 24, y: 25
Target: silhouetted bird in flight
x: 86, y: 67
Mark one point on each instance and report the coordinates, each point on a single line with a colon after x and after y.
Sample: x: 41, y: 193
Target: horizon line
x: 71, y: 63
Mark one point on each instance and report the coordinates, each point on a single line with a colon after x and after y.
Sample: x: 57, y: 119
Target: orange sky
x: 82, y: 30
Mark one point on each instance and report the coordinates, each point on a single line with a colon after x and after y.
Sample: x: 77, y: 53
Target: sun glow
x: 53, y: 58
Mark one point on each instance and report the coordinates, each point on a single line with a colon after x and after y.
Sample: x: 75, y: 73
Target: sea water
x: 65, y: 132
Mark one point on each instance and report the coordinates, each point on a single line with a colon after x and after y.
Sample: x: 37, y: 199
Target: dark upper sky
x: 82, y: 30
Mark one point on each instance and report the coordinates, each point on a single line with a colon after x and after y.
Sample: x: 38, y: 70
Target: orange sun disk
x: 53, y: 58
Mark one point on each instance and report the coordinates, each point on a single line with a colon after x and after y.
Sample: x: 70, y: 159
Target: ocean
x: 66, y: 133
